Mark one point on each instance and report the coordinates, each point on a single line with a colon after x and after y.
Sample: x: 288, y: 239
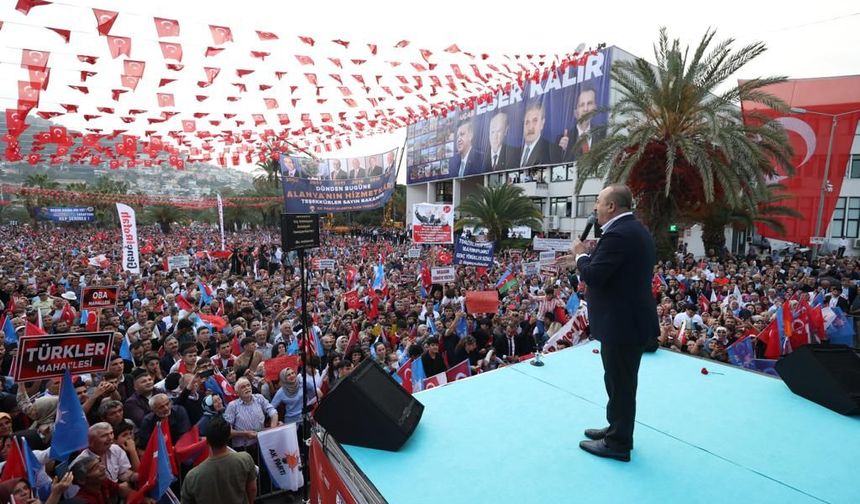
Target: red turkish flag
x: 15, y: 121
x: 458, y: 372
x: 344, y: 43
x: 211, y: 73
x: 304, y: 60
x: 130, y: 81
x: 34, y: 60
x: 134, y: 68
x: 24, y: 6
x: 260, y: 54
x: 166, y: 27
x: 176, y: 67
x: 66, y: 34
x: 119, y: 46
x: 284, y: 119
x: 221, y: 34
x: 171, y: 50
x: 402, y: 44
x: 307, y: 40
x: 114, y: 164
x: 266, y: 35
x: 40, y: 77
x: 258, y: 119
x: 189, y: 125
x: 271, y: 103
x: 213, y: 51
x: 57, y: 134
x: 28, y: 93
x: 105, y: 20
x: 83, y: 58
x: 827, y: 102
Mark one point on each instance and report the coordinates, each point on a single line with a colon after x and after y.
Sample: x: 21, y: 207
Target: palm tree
x: 78, y: 187
x: 498, y: 209
x: 678, y: 141
x: 164, y: 216
x: 271, y: 176
x: 763, y: 208
x: 31, y: 202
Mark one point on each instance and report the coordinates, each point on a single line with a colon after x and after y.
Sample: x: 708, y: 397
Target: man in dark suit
x: 390, y: 163
x: 621, y: 312
x: 337, y: 171
x: 289, y: 168
x: 356, y: 171
x: 536, y: 150
x: 512, y: 344
x: 374, y: 166
x: 501, y: 156
x: 466, y: 161
x: 565, y: 150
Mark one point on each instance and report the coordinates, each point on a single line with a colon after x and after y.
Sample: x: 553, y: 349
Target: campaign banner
x: 327, y: 486
x: 546, y: 258
x: 414, y: 253
x: 482, y: 301
x: 337, y: 185
x: 48, y: 356
x: 279, y: 449
x: 65, y: 214
x: 518, y: 232
x: 323, y: 264
x: 98, y: 298
x: 178, y: 262
x: 472, y: 253
x: 555, y: 244
x: 531, y: 126
x: 549, y: 270
x: 531, y: 268
x: 432, y: 223
x: 128, y: 227
x: 443, y: 275
x: 573, y: 333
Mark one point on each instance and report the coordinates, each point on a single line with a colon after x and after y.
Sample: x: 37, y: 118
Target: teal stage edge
x: 512, y: 435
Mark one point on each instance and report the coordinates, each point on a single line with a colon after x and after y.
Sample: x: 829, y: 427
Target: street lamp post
x: 825, y: 181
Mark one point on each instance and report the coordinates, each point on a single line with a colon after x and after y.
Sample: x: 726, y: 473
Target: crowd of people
x: 229, y: 312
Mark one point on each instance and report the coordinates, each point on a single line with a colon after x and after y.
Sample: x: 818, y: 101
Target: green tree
x: 679, y: 141
x: 498, y: 209
x: 164, y: 216
x: 761, y: 208
x: 33, y: 201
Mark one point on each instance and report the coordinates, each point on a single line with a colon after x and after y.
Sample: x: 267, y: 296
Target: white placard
x: 443, y: 275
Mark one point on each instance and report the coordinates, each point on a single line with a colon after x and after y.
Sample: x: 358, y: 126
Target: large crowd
x: 227, y: 313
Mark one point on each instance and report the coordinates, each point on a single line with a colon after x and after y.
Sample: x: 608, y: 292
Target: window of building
x: 563, y: 173
x: 540, y: 203
x: 837, y: 225
x: 445, y: 191
x: 497, y: 179
x: 853, y: 218
x: 585, y: 204
x: 561, y: 206
x: 854, y: 166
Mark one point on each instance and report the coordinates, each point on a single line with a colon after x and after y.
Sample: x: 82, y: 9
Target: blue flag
x: 71, y: 430
x: 205, y: 295
x: 164, y: 474
x: 462, y: 327
x: 572, y: 304
x: 30, y: 462
x: 9, y: 330
x: 125, y: 350
x: 84, y: 316
x: 741, y: 353
x: 780, y: 326
x: 379, y: 277
x: 418, y: 374
x: 293, y: 349
x: 818, y: 300
x: 841, y: 330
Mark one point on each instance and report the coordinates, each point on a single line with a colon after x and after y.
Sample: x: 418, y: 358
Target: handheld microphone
x: 592, y: 220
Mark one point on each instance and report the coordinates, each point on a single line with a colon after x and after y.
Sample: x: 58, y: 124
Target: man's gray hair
x: 96, y: 428
x: 155, y: 398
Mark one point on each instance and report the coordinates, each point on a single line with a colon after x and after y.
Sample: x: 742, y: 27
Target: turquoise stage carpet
x: 511, y: 436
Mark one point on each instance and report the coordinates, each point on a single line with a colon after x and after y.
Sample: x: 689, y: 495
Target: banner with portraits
x: 537, y: 125
x: 337, y: 185
x: 432, y: 223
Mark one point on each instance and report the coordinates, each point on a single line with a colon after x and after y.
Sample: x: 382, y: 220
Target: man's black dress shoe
x: 600, y: 449
x: 596, y: 433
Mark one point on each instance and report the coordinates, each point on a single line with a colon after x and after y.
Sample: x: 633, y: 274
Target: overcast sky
x: 809, y: 39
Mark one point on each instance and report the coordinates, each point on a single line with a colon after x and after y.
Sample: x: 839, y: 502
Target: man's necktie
x: 495, y: 161
x: 511, y: 346
x: 525, y: 156
x: 462, y: 167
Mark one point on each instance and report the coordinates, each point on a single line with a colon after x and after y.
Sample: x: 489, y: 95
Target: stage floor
x: 512, y: 436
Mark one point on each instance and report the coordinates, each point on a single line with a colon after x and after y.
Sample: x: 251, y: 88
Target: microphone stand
x: 537, y: 362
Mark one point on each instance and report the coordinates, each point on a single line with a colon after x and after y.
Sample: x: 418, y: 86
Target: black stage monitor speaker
x: 368, y: 408
x: 825, y: 374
